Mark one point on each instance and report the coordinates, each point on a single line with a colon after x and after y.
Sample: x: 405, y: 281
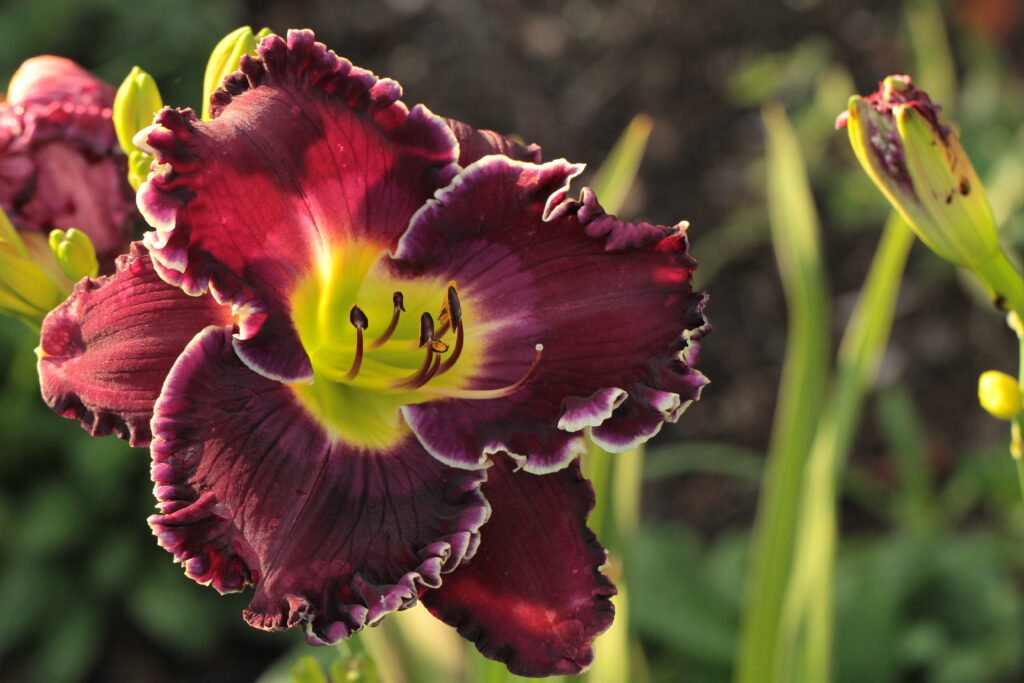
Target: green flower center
x: 377, y: 343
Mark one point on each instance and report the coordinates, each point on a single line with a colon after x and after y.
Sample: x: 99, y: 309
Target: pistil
x: 478, y: 394
x: 360, y: 322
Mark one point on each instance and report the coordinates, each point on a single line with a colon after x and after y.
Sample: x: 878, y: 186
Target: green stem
x: 1020, y: 473
x: 1003, y: 283
x: 1016, y: 451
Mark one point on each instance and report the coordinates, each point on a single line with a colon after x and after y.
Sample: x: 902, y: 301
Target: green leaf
x: 795, y: 236
x: 805, y: 634
x: 307, y: 670
x: 615, y: 177
x: 934, y: 69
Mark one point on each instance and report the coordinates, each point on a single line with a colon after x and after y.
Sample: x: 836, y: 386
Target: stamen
x: 426, y: 329
x: 428, y: 375
x: 421, y: 376
x: 358, y: 318
x: 454, y: 307
x: 451, y: 310
x: 360, y: 322
x: 399, y: 309
x: 450, y: 360
x: 435, y: 347
x: 489, y: 393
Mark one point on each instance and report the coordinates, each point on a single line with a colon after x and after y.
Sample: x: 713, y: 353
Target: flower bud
x: 916, y: 160
x: 75, y: 254
x: 60, y: 162
x: 999, y: 394
x: 225, y: 59
x: 137, y: 100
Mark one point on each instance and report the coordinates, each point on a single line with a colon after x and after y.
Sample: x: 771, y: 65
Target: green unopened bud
x: 75, y: 254
x: 225, y: 59
x: 31, y: 283
x: 916, y: 160
x: 999, y: 394
x: 137, y: 100
x: 138, y: 167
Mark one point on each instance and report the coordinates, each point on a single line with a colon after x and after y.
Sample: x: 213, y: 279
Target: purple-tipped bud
x: 915, y: 159
x: 60, y: 163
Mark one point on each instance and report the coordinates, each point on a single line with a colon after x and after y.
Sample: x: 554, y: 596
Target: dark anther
x: 358, y: 318
x: 453, y: 309
x: 426, y: 329
x: 399, y: 301
x: 453, y: 306
x: 965, y: 187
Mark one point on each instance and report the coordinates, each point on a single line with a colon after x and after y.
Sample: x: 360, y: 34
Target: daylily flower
x: 60, y: 163
x: 370, y: 381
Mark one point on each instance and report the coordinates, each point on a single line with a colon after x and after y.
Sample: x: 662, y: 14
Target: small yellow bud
x: 137, y: 100
x: 999, y: 394
x: 225, y: 59
x: 75, y: 254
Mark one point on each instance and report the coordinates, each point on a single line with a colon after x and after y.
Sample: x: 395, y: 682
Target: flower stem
x: 1016, y: 427
x: 1004, y: 283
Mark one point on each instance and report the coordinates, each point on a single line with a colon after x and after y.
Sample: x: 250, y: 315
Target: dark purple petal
x: 60, y: 163
x: 476, y: 144
x: 533, y: 596
x: 105, y: 352
x: 253, y: 491
x: 610, y: 302
x: 305, y: 153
